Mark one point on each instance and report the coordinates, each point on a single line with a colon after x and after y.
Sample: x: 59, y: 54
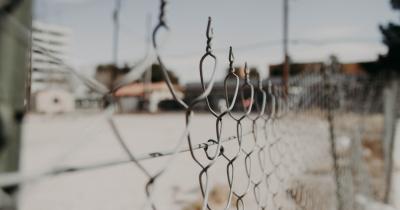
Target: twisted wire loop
x: 277, y: 109
x: 152, y: 177
x: 259, y: 147
x: 162, y: 25
x: 188, y: 107
x: 247, y: 154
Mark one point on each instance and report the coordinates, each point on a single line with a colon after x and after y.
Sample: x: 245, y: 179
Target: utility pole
x: 14, y: 67
x: 286, y: 66
x: 116, y: 30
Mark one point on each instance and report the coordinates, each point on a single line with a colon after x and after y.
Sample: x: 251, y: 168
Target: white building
x: 46, y: 72
x: 51, y: 83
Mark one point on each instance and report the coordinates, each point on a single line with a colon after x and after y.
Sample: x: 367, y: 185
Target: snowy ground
x: 81, y: 139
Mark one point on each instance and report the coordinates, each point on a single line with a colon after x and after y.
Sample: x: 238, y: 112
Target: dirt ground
x: 81, y: 139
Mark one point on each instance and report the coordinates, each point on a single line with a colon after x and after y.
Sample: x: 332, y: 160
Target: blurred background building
x: 51, y: 83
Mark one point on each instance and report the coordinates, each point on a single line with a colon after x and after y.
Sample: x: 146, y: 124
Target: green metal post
x: 14, y: 68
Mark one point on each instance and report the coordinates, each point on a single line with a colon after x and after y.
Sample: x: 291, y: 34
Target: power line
x: 272, y: 43
x: 286, y: 66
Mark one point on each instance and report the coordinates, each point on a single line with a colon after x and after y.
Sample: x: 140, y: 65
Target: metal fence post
x: 14, y: 59
x: 390, y: 95
x: 329, y: 106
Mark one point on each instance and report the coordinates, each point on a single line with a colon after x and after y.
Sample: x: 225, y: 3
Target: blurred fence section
x: 358, y: 115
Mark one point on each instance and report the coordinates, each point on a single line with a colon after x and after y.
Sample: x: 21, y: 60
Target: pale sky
x: 318, y: 28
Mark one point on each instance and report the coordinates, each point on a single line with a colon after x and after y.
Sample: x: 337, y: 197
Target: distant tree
x: 391, y: 38
x: 107, y: 74
x: 335, y: 63
x: 395, y: 4
x: 157, y: 74
x: 254, y: 74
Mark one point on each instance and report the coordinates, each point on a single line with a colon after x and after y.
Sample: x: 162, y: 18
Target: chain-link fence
x: 317, y: 147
